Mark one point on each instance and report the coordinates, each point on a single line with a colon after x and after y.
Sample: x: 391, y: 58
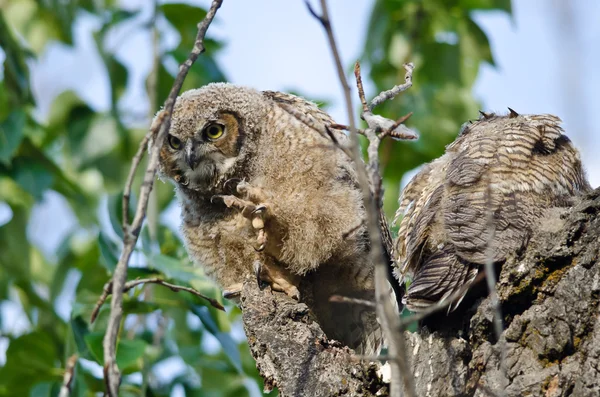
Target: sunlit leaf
x: 184, y: 18
x: 173, y: 268
x: 30, y: 359
x: 129, y: 351
x: 227, y: 343
x: 11, y: 134
x: 16, y: 73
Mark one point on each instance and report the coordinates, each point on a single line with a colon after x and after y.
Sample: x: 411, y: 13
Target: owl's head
x: 212, y: 131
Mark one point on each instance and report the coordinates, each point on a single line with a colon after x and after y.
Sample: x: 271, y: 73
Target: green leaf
x: 11, y: 135
x: 184, y: 18
x: 16, y: 73
x: 109, y: 251
x: 227, y: 343
x: 115, y: 211
x: 32, y: 176
x: 503, y: 5
x: 30, y: 358
x: 179, y: 270
x: 14, y: 246
x: 129, y: 351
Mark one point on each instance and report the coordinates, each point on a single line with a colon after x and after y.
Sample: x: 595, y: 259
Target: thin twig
x: 321, y: 128
x: 134, y: 283
x: 372, y: 203
x: 153, y: 210
x: 440, y: 305
x: 135, y: 163
x: 112, y: 376
x: 361, y: 90
x: 390, y: 94
x: 398, y: 134
x: 65, y: 389
x: 490, y: 276
x: 394, y: 329
x: 106, y: 291
x: 354, y: 301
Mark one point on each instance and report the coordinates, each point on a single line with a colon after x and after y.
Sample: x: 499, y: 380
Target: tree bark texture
x: 549, y: 295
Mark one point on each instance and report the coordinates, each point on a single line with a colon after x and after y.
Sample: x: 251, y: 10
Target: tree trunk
x: 549, y: 294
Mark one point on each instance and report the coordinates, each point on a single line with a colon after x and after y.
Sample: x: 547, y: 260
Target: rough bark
x: 293, y: 354
x: 550, y: 296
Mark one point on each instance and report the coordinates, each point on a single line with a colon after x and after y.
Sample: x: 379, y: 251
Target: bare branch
x: 394, y: 329
x: 65, y: 389
x: 440, y: 305
x: 134, y: 283
x: 112, y: 376
x: 490, y: 277
x: 353, y: 301
x: 322, y: 129
x: 361, y: 90
x: 390, y: 94
x: 106, y: 291
x: 135, y: 163
x: 372, y: 202
x: 394, y: 132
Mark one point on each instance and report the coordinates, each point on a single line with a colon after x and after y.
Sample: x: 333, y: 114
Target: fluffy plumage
x: 491, y: 186
x: 309, y: 189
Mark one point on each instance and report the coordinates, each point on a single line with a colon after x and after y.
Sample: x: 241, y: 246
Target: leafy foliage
x: 447, y: 47
x: 79, y: 156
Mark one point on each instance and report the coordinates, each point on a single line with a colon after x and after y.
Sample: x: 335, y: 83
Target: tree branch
x: 112, y: 376
x: 386, y: 313
x: 294, y: 354
x: 134, y: 283
x: 65, y: 389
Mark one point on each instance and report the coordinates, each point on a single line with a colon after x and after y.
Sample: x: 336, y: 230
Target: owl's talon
x: 260, y: 209
x: 228, y: 185
x: 280, y: 279
x: 257, y: 272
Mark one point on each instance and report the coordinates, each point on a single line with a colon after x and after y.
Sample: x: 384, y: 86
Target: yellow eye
x: 174, y: 142
x: 214, y: 131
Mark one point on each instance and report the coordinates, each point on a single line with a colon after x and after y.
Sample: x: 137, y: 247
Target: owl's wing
x: 501, y: 174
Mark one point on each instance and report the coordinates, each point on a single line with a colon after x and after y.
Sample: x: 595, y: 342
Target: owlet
x: 262, y: 193
x: 481, y: 200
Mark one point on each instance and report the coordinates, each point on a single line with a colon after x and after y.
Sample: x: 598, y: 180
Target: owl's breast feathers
x: 480, y: 199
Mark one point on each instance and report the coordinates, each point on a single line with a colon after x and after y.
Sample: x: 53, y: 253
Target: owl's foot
x: 280, y: 279
x: 253, y: 207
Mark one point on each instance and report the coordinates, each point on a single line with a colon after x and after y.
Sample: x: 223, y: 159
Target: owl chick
x: 262, y: 193
x: 482, y: 199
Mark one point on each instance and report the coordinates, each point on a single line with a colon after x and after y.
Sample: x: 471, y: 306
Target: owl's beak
x: 190, y: 156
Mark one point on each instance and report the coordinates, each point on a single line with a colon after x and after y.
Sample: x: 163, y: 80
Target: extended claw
x: 258, y: 273
x: 230, y: 185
